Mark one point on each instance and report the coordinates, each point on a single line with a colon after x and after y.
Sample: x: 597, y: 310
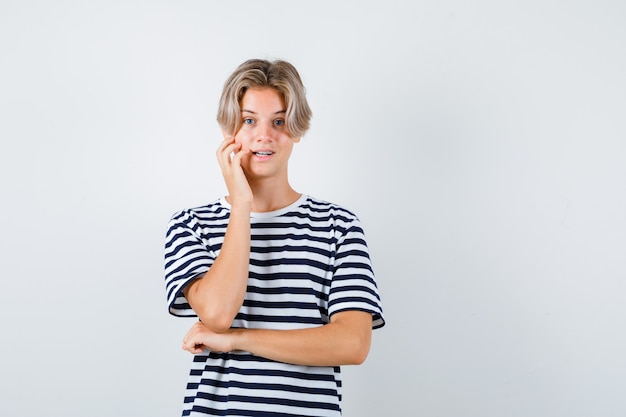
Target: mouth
x: 263, y: 153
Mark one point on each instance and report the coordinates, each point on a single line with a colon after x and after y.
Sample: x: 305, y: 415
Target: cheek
x: 241, y: 137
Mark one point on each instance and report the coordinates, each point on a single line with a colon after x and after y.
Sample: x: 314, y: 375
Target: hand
x: 199, y: 337
x: 238, y: 188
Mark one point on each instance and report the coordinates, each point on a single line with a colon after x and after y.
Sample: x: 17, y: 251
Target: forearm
x: 217, y: 296
x: 344, y: 341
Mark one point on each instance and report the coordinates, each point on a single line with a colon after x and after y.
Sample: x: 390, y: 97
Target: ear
x: 296, y: 140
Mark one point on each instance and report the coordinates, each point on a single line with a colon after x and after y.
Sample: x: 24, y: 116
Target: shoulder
x: 323, y: 207
x: 207, y: 212
x: 198, y: 220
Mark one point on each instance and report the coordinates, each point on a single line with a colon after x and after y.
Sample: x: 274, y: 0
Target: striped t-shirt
x: 307, y: 261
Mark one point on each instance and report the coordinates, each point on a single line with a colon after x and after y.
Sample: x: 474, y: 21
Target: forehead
x: 262, y: 99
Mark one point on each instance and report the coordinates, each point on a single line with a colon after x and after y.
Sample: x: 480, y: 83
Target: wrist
x: 238, y: 204
x: 241, y: 207
x: 238, y: 339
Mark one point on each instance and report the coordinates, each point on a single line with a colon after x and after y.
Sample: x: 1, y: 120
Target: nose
x: 265, y: 131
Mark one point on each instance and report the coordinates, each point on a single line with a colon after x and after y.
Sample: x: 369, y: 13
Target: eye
x: 248, y: 121
x: 279, y: 122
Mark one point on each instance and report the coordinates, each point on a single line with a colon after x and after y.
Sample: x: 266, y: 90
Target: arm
x: 217, y: 296
x: 344, y: 341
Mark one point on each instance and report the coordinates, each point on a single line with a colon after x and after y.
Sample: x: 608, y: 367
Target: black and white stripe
x: 308, y: 261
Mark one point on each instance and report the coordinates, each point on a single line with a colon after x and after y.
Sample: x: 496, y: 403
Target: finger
x: 225, y: 143
x: 188, y: 339
x: 193, y: 349
x: 225, y: 164
x: 220, y: 149
x: 226, y: 156
x: 189, y: 344
x: 239, y: 155
x: 186, y: 344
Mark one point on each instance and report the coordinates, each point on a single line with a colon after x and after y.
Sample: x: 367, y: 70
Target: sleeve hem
x: 378, y: 320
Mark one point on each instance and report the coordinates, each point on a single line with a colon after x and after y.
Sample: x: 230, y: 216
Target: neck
x: 269, y: 195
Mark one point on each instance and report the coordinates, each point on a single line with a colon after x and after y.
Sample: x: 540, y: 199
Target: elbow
x: 357, y: 354
x: 353, y: 335
x: 216, y: 321
x: 215, y: 316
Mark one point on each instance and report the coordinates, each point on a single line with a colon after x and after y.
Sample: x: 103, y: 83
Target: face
x: 264, y: 133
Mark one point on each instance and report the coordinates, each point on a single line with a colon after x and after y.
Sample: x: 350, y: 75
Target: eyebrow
x: 253, y: 112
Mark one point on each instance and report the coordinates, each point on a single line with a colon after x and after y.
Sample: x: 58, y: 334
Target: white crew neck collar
x: 274, y: 213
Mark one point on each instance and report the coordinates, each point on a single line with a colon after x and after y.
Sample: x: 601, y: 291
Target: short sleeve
x: 187, y: 256
x: 353, y: 285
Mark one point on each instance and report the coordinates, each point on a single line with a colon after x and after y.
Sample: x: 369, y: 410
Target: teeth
x: 263, y: 153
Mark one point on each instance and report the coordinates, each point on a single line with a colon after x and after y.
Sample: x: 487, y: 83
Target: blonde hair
x: 258, y: 73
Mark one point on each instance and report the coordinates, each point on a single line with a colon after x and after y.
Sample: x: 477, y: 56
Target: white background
x: 482, y: 144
